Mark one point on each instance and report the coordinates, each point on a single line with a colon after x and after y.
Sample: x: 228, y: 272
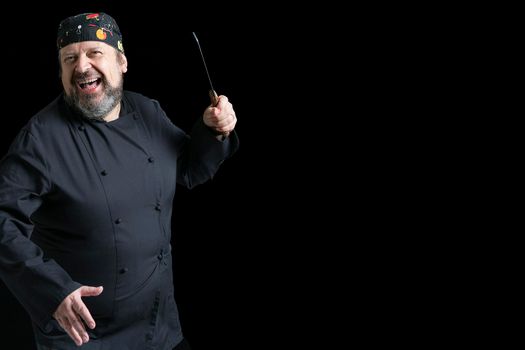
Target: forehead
x: 86, y: 46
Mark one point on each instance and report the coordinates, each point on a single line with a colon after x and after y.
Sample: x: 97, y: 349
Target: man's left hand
x: 221, y: 118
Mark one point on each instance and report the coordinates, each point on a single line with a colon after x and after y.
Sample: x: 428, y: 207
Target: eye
x: 69, y: 59
x: 95, y: 53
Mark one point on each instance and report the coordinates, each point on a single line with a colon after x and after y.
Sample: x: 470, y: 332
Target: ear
x: 123, y: 62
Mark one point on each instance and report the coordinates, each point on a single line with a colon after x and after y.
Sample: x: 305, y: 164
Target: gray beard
x: 92, y: 109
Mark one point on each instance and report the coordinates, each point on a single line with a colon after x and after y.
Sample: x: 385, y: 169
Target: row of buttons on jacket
x: 160, y: 257
x: 158, y: 207
x: 104, y: 172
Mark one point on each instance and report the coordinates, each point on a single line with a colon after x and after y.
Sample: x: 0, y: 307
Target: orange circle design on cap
x: 101, y: 34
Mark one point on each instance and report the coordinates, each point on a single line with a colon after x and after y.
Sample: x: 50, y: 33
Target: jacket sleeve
x: 200, y: 153
x: 38, y: 283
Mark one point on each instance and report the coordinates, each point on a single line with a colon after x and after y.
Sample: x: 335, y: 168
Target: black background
x: 241, y: 250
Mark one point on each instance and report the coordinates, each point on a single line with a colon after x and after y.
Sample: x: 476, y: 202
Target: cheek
x: 113, y: 75
x: 65, y: 81
x: 65, y: 76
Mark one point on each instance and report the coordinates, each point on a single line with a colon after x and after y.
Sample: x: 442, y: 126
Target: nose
x: 83, y: 64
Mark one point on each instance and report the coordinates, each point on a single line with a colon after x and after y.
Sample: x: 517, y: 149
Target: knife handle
x: 214, y: 98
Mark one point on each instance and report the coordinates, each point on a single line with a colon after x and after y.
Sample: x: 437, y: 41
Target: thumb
x: 87, y: 291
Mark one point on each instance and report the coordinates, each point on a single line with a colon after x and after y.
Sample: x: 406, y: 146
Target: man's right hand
x: 72, y: 311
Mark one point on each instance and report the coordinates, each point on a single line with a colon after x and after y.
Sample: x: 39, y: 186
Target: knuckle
x: 81, y: 309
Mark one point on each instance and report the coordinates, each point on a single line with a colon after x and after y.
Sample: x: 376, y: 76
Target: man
x: 86, y: 193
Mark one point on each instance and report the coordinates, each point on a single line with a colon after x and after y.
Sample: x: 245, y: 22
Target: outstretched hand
x: 72, y: 311
x: 221, y: 118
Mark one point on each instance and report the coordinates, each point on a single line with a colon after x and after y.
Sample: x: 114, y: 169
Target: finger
x: 227, y: 128
x: 225, y: 113
x: 79, y: 328
x: 223, y: 119
x: 86, y: 291
x: 225, y: 116
x: 73, y: 334
x: 212, y: 113
x: 226, y: 121
x: 74, y: 321
x: 81, y: 309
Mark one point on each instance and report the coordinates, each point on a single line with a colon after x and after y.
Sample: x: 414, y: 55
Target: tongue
x: 90, y: 87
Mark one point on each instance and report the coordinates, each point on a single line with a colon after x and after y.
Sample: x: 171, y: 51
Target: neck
x: 113, y: 115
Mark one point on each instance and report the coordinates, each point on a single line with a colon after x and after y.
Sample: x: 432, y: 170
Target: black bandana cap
x: 89, y: 27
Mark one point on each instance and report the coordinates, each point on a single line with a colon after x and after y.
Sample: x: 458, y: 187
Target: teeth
x: 88, y: 81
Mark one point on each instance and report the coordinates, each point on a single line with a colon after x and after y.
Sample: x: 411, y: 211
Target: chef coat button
x: 151, y: 159
x: 157, y: 207
x: 124, y: 270
x: 81, y: 128
x: 103, y: 173
x: 160, y: 256
x: 118, y: 221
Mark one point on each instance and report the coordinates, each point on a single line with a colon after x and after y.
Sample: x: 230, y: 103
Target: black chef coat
x: 89, y: 203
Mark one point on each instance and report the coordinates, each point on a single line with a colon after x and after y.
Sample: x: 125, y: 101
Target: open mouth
x: 89, y: 84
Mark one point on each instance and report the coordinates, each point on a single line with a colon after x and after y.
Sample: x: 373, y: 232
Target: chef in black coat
x: 86, y: 192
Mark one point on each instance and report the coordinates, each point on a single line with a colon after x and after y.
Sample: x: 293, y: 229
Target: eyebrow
x: 69, y: 53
